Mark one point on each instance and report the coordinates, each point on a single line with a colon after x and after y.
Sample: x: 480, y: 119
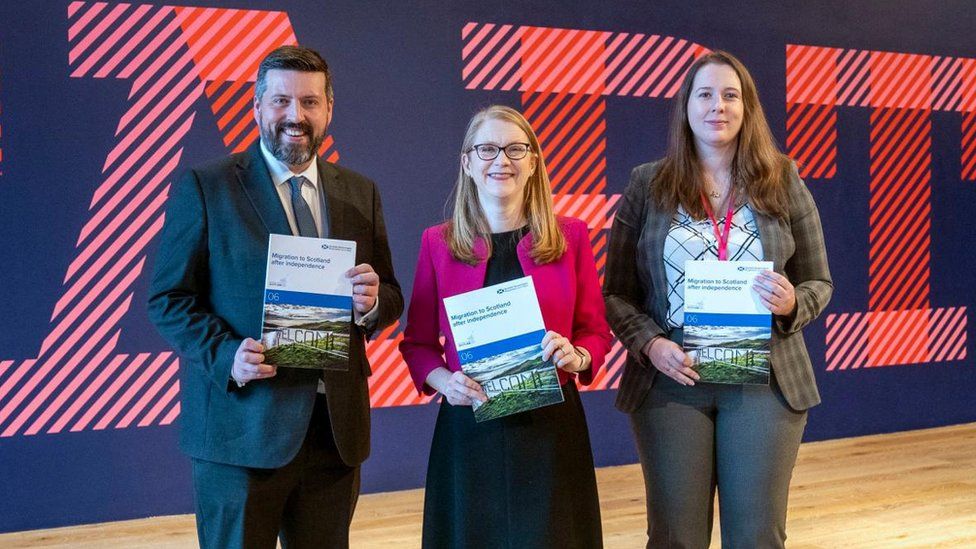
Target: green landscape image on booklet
x: 725, y: 353
x: 304, y: 336
x: 308, y: 302
x: 515, y: 381
x: 498, y: 332
x: 727, y: 329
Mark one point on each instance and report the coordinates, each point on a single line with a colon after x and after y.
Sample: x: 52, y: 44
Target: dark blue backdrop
x: 400, y: 112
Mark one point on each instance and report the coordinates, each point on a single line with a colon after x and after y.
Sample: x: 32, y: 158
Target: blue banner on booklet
x: 308, y: 302
x: 727, y: 329
x: 281, y: 297
x: 498, y: 332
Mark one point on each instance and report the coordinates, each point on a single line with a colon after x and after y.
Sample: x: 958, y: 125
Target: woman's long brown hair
x: 758, y: 167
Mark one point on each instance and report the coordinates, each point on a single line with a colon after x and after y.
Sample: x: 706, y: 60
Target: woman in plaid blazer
x: 696, y: 437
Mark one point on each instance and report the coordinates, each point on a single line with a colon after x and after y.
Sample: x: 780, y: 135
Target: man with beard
x: 275, y: 452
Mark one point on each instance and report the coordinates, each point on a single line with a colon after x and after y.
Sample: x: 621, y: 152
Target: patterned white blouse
x: 695, y: 240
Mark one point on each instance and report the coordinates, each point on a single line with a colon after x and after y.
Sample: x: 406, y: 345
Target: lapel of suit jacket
x: 335, y: 196
x: 460, y: 277
x: 771, y: 238
x: 256, y: 182
x: 659, y: 221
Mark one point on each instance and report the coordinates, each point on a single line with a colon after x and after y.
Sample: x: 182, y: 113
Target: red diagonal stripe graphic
x: 153, y: 391
x: 111, y: 42
x: 150, y: 372
x: 485, y: 50
x: 76, y: 380
x: 168, y: 397
x: 825, y: 153
x: 968, y: 162
x: 538, y: 49
x: 240, y: 111
x: 796, y: 68
x: 823, y: 81
x: 92, y: 36
x: 853, y: 77
x: 85, y: 19
x: 503, y: 54
x: 671, y: 81
x: 156, y: 55
x: 175, y: 61
x: 158, y: 154
x: 153, y: 125
x: 125, y: 50
x: 575, y: 72
x: 649, y: 64
x: 656, y: 72
x: 952, y: 335
x: 103, y: 376
x: 945, y: 81
x: 211, y: 42
x: 148, y: 51
x: 476, y: 39
x: 104, y: 373
x: 110, y: 392
x: 171, y: 415
x: 49, y: 365
x: 632, y: 59
x: 244, y: 65
x: 840, y: 337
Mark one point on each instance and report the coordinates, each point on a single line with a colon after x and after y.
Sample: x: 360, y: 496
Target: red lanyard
x: 722, y: 239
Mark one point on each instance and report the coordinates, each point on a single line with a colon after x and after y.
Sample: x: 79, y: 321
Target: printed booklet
x: 308, y: 302
x: 727, y: 328
x: 498, y: 331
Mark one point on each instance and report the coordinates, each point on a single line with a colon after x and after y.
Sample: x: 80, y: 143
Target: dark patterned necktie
x: 303, y: 214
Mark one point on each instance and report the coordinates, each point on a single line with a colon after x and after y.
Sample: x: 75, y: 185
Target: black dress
x: 523, y: 481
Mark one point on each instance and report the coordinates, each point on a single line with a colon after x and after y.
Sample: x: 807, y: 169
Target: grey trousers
x: 740, y: 439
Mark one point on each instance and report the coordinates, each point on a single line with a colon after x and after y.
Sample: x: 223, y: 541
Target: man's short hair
x: 292, y: 58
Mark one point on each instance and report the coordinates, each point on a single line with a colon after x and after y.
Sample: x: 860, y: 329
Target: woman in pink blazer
x: 524, y: 480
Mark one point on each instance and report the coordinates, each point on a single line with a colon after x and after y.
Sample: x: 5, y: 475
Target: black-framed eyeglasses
x: 514, y: 151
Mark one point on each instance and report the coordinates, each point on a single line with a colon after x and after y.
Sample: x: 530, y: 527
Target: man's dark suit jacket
x: 206, y: 296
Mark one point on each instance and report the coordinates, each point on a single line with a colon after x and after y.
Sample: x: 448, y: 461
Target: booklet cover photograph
x: 728, y: 354
x: 498, y: 333
x: 308, y: 302
x: 726, y: 327
x: 305, y: 335
x: 515, y: 381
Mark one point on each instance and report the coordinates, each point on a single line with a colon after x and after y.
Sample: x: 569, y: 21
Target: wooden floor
x: 912, y: 489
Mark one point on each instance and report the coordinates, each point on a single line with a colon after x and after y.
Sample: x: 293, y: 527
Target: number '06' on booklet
x: 308, y: 302
x: 498, y: 332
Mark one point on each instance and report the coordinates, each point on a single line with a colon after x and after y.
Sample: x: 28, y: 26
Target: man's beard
x: 288, y: 153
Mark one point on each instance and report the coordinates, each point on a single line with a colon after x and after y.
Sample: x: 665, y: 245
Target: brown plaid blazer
x: 635, y: 287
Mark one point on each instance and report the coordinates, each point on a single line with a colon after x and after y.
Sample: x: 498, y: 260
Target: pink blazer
x: 568, y: 289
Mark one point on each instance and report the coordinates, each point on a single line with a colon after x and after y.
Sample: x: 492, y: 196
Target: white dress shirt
x: 280, y: 174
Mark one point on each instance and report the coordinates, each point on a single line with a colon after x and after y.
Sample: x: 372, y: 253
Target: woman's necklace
x: 715, y: 193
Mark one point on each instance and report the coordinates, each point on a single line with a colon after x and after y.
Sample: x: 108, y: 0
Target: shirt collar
x: 280, y: 172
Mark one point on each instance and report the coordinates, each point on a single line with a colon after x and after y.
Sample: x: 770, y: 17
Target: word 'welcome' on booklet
x: 498, y: 332
x: 308, y: 302
x: 726, y: 327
